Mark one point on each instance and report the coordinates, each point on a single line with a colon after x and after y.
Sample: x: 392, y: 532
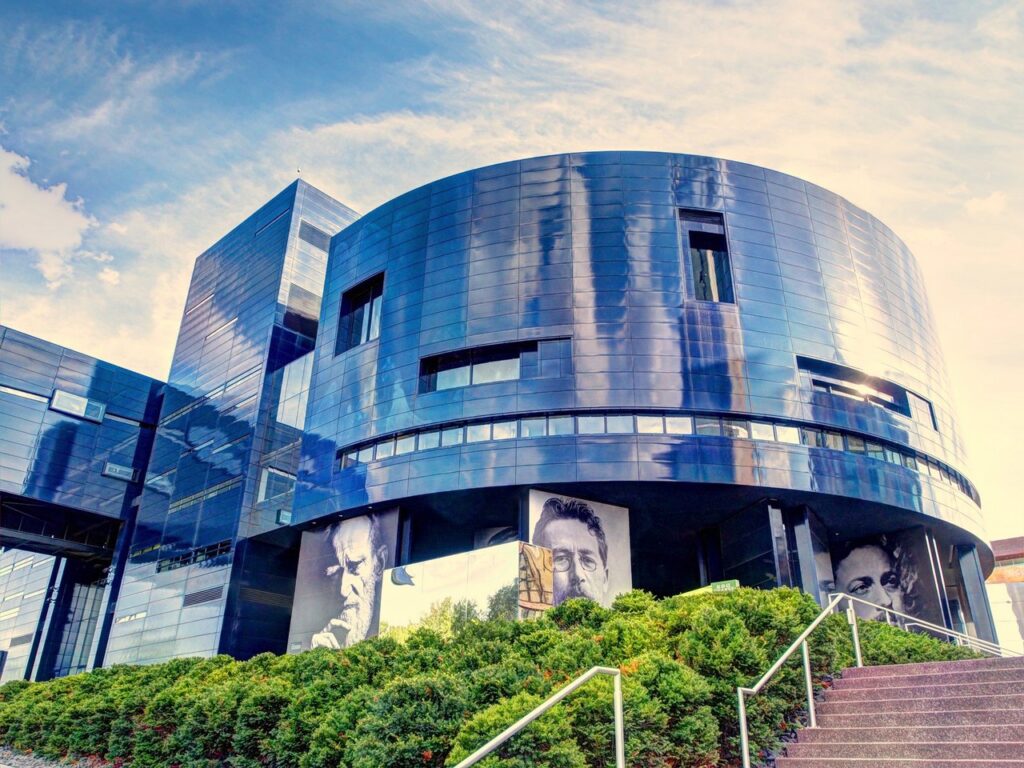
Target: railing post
x: 620, y: 738
x: 812, y: 719
x: 744, y: 737
x: 851, y: 616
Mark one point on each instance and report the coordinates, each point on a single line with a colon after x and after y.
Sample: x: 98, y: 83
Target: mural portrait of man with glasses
x: 576, y: 538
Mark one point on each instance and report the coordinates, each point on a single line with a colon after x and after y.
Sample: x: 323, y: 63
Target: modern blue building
x: 721, y: 372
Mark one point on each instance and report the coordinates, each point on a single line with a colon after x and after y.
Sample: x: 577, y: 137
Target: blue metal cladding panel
x: 56, y: 457
x: 588, y: 247
x: 252, y: 309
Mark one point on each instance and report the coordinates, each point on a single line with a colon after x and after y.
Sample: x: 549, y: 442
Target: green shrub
x: 440, y: 693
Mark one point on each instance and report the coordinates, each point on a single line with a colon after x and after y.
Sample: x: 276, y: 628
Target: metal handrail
x: 851, y: 618
x: 985, y: 645
x: 518, y: 725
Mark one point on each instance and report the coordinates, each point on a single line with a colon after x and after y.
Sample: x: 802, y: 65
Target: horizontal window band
x: 635, y: 423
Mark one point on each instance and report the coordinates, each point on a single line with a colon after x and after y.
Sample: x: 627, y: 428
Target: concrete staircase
x: 946, y: 714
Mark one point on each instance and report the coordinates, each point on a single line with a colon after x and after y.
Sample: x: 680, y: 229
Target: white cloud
x: 39, y: 219
x: 109, y: 276
x: 985, y: 207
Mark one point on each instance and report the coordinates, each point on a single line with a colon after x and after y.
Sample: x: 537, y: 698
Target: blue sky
x: 132, y: 135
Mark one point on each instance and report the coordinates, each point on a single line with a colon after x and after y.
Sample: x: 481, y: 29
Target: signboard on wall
x: 589, y: 543
x: 338, y: 583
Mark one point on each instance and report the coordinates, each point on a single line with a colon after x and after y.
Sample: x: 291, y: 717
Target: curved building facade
x: 744, y: 361
x: 564, y: 376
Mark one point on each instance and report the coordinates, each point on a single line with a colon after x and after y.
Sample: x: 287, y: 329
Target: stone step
x: 913, y: 691
x: 874, y: 762
x: 1001, y: 702
x: 921, y: 734
x: 929, y: 667
x: 894, y: 750
x: 1009, y: 676
x: 1011, y: 720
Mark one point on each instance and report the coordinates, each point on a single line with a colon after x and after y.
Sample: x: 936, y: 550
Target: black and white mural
x: 338, y: 584
x: 589, y: 542
x: 892, y: 570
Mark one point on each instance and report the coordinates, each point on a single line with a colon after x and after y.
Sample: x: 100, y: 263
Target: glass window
x: 274, y: 483
x: 478, y: 433
x: 834, y: 440
x: 405, y: 444
x: 707, y: 426
x: 737, y: 429
x: 855, y: 444
x: 619, y: 425
x: 351, y: 459
x: 450, y: 378
x: 909, y: 461
x: 366, y: 454
x: 504, y: 430
x: 875, y: 451
x: 451, y: 436
x: 704, y: 235
x: 360, y: 314
x: 679, y: 425
x: 385, y: 449
x: 496, y: 370
x: 533, y: 427
x: 650, y: 425
x: 762, y: 430
x: 590, y: 425
x: 787, y: 434
x: 811, y: 437
x: 893, y: 457
x: 560, y: 425
x: 65, y: 402
x: 429, y: 440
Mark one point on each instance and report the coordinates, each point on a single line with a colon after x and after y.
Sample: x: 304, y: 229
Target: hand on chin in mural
x: 334, y: 635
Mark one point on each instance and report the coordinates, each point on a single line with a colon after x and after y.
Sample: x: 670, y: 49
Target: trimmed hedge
x: 438, y: 695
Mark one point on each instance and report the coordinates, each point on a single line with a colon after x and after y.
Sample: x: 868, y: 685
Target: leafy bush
x: 430, y: 696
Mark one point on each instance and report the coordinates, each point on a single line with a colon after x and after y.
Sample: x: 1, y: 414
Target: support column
x: 974, y: 589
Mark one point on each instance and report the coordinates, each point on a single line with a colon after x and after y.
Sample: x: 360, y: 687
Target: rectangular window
x: 834, y: 440
x: 737, y: 429
x: 650, y: 425
x: 429, y: 440
x: 619, y: 425
x: 385, y: 450
x: 560, y: 425
x: 504, y: 430
x: 762, y: 430
x: 451, y: 436
x: 405, y: 444
x: 74, y: 405
x: 478, y: 433
x: 366, y: 454
x: 484, y: 365
x: 811, y: 437
x: 533, y: 427
x: 704, y: 238
x: 274, y: 483
x: 708, y: 426
x: 360, y: 314
x: 590, y: 425
x: 678, y: 425
x: 787, y: 434
x: 855, y: 444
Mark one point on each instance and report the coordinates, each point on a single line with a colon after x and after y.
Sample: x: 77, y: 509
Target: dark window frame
x: 710, y: 277
x: 359, y: 319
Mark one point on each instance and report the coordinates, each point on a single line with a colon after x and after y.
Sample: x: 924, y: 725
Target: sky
x: 133, y: 135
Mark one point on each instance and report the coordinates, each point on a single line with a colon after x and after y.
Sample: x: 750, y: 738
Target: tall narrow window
x: 704, y: 238
x: 360, y: 314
